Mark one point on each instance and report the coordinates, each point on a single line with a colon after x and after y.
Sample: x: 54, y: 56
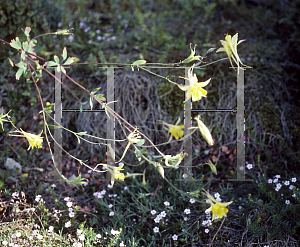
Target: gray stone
x: 11, y: 164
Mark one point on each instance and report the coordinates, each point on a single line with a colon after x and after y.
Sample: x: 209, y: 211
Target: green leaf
x: 19, y: 73
x: 63, y: 69
x: 70, y: 60
x: 56, y: 59
x: 138, y: 155
x: 11, y: 62
x: 139, y: 62
x: 26, y: 46
x: 65, y: 53
x: 95, y: 90
x: 140, y: 142
x: 16, y: 44
x: 58, y: 68
x: 209, y: 51
x: 52, y: 63
x: 100, y: 96
x: 82, y: 133
x: 77, y: 180
x: 23, y: 55
x: 27, y: 31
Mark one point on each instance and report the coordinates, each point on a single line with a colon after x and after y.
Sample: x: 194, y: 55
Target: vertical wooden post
x: 111, y: 119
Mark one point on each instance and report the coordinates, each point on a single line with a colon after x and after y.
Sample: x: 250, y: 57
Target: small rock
x: 11, y: 164
x: 12, y: 180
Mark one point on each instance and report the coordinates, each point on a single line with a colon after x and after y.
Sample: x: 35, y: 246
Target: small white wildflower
x: 157, y: 219
x: 109, y: 186
x: 249, y: 166
x: 291, y: 187
x: 167, y: 203
x: 286, y: 182
x: 71, y: 214
x: 240, y: 207
x: 184, y: 175
x: 270, y: 181
x: 38, y: 198
x: 99, y: 38
x: 153, y: 212
x: 113, y: 232
x: 126, y: 188
x: 110, y: 205
x: 67, y: 199
x: 82, y: 25
x: 122, y: 244
x: 174, y: 237
x: 53, y: 186
x: 15, y: 194
x: 192, y: 200
x: 39, y: 237
x: 277, y: 176
x: 294, y: 180
x: 68, y: 224
x: 206, y: 230
x: 98, y: 31
x: 69, y: 204
x: 71, y: 38
x: 98, y: 236
x: 81, y: 237
x: 4, y: 243
x: 156, y: 229
x: 275, y: 180
x: 18, y: 234
x: 278, y: 186
x: 294, y: 195
x: 163, y: 214
x: 87, y: 29
x: 287, y: 202
x: 187, y: 211
x: 111, y: 213
x: 51, y: 228
x: 77, y: 244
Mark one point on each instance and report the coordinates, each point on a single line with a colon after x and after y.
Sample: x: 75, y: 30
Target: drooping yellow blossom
x: 174, y: 161
x: 134, y: 137
x: 4, y: 120
x: 230, y: 47
x: 204, y: 131
x: 115, y: 172
x: 195, y: 89
x: 217, y: 207
x: 175, y: 130
x: 34, y: 140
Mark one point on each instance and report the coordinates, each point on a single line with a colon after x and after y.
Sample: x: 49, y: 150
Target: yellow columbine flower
x: 175, y: 130
x: 174, y: 160
x: 230, y: 47
x: 195, y: 89
x: 217, y: 207
x: 204, y: 131
x: 3, y: 116
x: 115, y: 172
x: 134, y: 137
x: 34, y: 140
